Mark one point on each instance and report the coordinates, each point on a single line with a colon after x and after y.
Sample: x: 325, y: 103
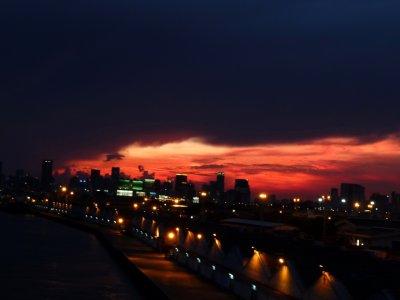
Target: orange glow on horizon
x: 304, y: 168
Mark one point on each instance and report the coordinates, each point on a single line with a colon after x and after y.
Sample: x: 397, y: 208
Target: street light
x: 263, y: 196
x: 171, y: 235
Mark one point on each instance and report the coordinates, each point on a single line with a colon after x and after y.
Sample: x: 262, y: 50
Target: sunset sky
x: 296, y: 96
x: 290, y: 169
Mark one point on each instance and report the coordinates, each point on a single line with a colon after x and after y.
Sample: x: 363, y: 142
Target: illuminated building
x: 46, y: 178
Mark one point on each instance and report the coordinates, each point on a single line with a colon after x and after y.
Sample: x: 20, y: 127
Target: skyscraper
x: 220, y: 184
x: 46, y: 178
x: 115, y: 177
x: 95, y: 180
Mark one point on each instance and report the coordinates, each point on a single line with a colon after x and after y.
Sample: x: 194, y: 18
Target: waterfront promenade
x: 156, y: 276
x: 175, y: 281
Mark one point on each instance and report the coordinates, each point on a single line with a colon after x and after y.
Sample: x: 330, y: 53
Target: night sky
x: 296, y: 96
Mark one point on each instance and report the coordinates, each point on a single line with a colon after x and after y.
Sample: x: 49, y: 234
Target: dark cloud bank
x: 79, y: 78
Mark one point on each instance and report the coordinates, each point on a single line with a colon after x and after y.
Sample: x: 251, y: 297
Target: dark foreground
x: 41, y: 259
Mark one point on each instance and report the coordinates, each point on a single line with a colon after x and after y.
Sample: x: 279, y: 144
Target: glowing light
x: 63, y: 189
x: 343, y: 200
x: 231, y: 276
x: 199, y: 236
x: 281, y: 260
x: 262, y: 196
x: 357, y: 205
x: 154, y: 208
x: 203, y: 194
x: 177, y: 229
x: 135, y: 205
x: 72, y: 193
x: 120, y: 221
x: 171, y: 235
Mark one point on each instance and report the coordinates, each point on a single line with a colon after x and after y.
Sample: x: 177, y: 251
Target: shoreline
x: 143, y: 284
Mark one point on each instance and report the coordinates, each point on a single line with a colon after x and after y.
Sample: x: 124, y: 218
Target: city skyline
x: 288, y: 170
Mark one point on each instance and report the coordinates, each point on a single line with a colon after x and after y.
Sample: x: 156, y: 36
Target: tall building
x: 114, y: 180
x: 352, y: 193
x: 115, y: 173
x: 220, y: 184
x: 181, y: 183
x: 95, y: 180
x: 242, y: 190
x: 46, y: 178
x: 167, y: 188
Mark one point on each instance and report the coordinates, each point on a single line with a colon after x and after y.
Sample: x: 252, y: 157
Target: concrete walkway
x: 176, y: 282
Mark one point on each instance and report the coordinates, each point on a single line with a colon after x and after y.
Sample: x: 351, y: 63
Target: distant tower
x: 181, y: 183
x: 115, y: 174
x: 220, y: 184
x: 115, y: 177
x: 95, y: 180
x: 46, y: 178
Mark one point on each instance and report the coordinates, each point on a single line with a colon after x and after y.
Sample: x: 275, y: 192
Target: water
x: 40, y: 259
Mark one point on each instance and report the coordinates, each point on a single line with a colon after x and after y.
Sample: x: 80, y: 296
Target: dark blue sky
x: 83, y: 77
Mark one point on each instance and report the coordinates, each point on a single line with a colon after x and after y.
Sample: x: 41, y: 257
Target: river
x: 40, y: 259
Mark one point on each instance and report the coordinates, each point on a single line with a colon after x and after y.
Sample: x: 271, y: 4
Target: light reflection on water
x: 40, y: 259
